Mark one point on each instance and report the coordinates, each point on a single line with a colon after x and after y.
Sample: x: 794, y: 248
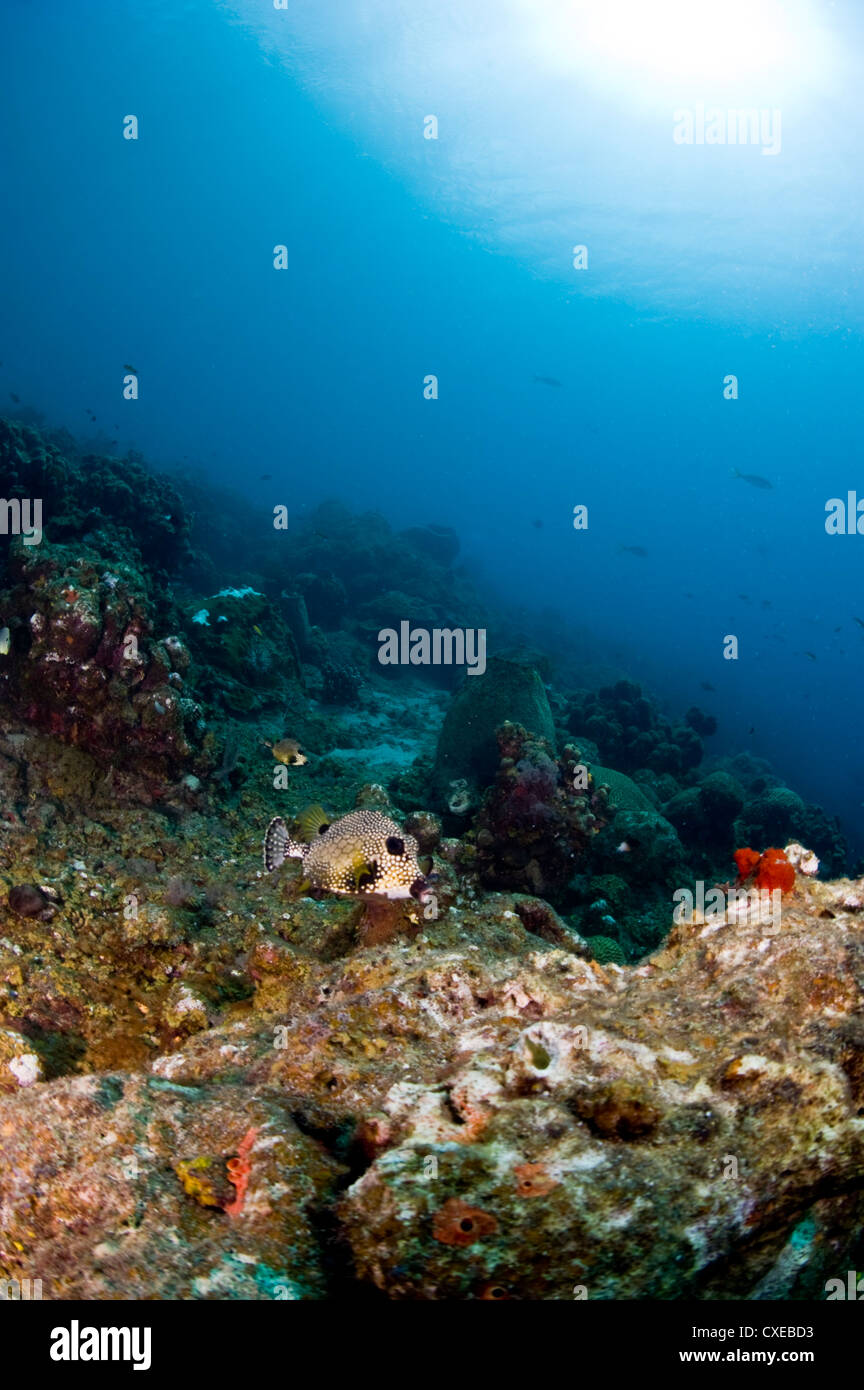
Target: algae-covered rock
x: 160, y: 1190
x: 643, y: 1080
x: 184, y: 1011
x: 248, y: 655
x: 467, y: 749
x: 20, y: 1065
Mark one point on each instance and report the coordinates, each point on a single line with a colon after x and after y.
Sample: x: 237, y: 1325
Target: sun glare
x: 670, y: 41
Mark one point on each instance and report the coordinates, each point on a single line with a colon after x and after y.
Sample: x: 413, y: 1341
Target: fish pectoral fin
x: 312, y: 822
x: 364, y: 873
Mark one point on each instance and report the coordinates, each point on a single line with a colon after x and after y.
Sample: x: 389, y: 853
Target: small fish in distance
x: 752, y: 478
x: 287, y: 751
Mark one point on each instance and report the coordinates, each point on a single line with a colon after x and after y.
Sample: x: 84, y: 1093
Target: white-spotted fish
x: 287, y: 751
x: 364, y: 853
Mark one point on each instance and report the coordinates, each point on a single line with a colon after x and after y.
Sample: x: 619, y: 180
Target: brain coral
x: 606, y: 950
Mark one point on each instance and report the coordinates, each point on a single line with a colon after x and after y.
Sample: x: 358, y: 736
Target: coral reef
x: 132, y: 510
x: 630, y: 734
x: 217, y: 1083
x: 340, y: 683
x: 88, y: 661
x: 775, y: 814
x: 535, y: 821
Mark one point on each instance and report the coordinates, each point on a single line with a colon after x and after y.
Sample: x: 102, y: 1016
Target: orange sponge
x: 772, y: 869
x: 775, y: 871
x: 746, y: 861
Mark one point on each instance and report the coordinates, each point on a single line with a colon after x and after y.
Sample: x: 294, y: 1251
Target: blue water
x: 452, y: 257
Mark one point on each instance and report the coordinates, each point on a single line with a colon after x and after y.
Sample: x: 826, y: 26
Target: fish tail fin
x: 278, y: 845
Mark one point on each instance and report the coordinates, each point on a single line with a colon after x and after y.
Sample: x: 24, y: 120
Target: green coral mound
x: 605, y: 950
x: 467, y: 747
x: 624, y: 794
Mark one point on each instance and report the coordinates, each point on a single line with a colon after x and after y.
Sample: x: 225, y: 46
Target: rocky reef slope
x: 213, y: 1085
x: 471, y: 1113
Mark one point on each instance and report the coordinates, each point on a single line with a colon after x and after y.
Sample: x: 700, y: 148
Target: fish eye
x: 395, y: 845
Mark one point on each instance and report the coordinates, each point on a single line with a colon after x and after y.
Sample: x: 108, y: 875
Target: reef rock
x: 474, y: 1114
